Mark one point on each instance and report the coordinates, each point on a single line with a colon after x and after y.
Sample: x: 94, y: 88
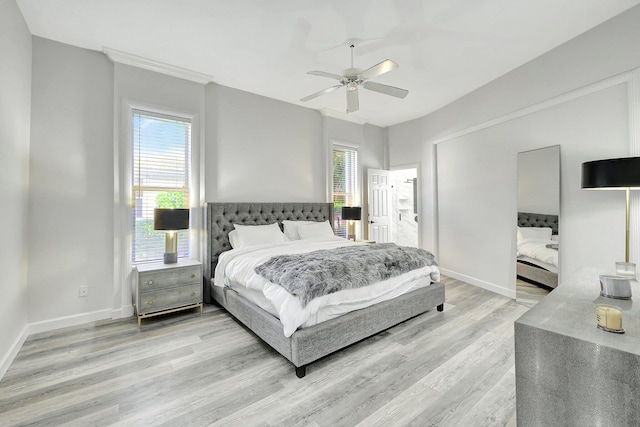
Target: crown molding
x: 622, y: 78
x: 159, y: 67
x: 343, y: 116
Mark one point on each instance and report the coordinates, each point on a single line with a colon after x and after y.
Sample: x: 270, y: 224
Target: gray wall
x: 260, y: 149
x: 61, y: 150
x: 539, y: 181
x: 477, y: 190
x: 371, y: 144
x: 71, y: 182
x: 15, y: 116
x: 484, y: 159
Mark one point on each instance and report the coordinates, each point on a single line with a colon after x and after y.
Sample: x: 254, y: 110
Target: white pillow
x: 291, y: 228
x: 252, y: 235
x: 541, y: 233
x: 317, y: 229
x: 234, y: 240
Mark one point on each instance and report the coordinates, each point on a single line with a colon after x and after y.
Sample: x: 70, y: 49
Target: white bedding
x: 235, y: 269
x: 537, y: 250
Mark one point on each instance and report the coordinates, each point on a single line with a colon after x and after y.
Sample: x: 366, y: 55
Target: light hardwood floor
x: 454, y: 368
x: 529, y: 294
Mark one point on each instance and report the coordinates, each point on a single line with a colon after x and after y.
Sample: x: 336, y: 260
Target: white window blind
x: 160, y: 177
x: 345, y: 184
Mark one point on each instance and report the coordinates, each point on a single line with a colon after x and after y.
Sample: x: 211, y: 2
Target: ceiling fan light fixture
x: 354, y: 77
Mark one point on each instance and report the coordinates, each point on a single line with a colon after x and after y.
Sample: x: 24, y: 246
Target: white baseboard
x: 58, y: 323
x: 510, y: 293
x: 13, y: 351
x: 122, y: 312
x: 63, y: 322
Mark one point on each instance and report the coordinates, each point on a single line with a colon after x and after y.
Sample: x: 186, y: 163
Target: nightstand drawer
x: 163, y: 279
x: 160, y: 299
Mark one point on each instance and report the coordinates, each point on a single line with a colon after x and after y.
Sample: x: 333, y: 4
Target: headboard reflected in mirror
x: 526, y: 219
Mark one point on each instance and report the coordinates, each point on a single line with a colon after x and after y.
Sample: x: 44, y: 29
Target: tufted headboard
x: 538, y: 220
x: 220, y: 217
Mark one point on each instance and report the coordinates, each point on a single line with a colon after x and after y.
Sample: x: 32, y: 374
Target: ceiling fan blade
x: 322, y: 92
x: 386, y: 89
x: 353, y: 104
x: 378, y: 69
x: 325, y: 74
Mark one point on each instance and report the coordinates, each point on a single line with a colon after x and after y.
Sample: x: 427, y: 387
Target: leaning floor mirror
x: 538, y: 239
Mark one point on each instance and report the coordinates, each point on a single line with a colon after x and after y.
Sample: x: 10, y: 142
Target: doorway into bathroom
x: 404, y: 204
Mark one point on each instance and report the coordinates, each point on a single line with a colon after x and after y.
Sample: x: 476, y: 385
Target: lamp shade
x: 352, y: 213
x: 612, y: 173
x: 170, y: 219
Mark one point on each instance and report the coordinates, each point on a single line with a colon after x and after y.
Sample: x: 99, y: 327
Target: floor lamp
x: 615, y: 174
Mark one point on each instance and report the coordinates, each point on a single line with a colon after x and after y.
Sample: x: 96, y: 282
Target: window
x: 345, y: 185
x: 160, y: 179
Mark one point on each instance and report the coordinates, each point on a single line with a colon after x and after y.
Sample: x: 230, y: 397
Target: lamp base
x: 170, y: 257
x: 351, y: 233
x: 626, y: 269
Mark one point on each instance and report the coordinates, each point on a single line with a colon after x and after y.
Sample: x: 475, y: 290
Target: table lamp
x: 170, y: 220
x: 615, y: 174
x: 351, y: 214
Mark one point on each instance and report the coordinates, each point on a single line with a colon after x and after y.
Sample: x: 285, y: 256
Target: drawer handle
x: 150, y: 282
x: 150, y: 302
x: 193, y: 276
x: 193, y: 294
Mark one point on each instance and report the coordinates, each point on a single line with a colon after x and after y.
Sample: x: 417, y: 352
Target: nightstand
x: 165, y: 288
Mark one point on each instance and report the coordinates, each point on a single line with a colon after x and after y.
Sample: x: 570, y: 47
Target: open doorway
x: 404, y: 204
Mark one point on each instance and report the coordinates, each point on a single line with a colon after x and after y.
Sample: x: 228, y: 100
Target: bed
x: 306, y: 344
x: 537, y: 249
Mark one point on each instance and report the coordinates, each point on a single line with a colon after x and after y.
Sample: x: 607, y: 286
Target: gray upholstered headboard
x: 220, y: 217
x: 538, y: 220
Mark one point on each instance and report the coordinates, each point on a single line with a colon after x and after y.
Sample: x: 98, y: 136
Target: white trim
x: 510, y: 293
x: 122, y: 312
x: 343, y: 116
x: 633, y: 87
x: 571, y: 95
x: 66, y: 321
x: 123, y: 307
x: 415, y: 166
x: 159, y: 67
x: 8, y: 358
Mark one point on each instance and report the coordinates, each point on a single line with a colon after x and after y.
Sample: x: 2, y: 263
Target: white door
x: 379, y: 205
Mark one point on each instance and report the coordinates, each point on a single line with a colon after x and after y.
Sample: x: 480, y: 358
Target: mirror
x: 537, y: 237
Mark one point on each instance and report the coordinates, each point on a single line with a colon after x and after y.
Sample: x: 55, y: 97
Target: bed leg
x: 301, y: 371
x: 440, y: 307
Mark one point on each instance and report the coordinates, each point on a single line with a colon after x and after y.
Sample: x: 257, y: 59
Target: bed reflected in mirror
x: 537, y: 236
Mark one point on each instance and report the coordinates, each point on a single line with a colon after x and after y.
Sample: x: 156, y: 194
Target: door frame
x: 417, y: 167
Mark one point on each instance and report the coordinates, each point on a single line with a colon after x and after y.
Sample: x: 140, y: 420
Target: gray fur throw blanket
x: 326, y: 271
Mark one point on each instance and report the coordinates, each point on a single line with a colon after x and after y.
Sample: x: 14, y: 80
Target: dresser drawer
x: 163, y: 279
x: 162, y: 299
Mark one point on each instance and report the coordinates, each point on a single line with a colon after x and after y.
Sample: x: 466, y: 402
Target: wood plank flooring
x: 529, y: 294
x: 454, y: 368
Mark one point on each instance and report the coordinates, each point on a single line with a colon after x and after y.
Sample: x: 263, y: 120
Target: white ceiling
x: 445, y: 48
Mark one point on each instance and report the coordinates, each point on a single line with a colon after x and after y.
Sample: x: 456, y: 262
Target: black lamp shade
x: 612, y: 173
x: 170, y: 219
x: 352, y: 213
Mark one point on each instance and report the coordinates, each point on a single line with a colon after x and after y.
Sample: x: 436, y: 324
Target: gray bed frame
x: 309, y: 344
x: 533, y: 273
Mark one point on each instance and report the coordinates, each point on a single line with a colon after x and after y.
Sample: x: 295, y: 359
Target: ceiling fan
x: 354, y: 77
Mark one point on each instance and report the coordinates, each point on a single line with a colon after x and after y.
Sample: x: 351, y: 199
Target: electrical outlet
x: 84, y: 291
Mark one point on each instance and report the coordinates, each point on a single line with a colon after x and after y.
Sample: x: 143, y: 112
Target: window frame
x: 137, y: 190
x: 123, y: 143
x: 337, y: 222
